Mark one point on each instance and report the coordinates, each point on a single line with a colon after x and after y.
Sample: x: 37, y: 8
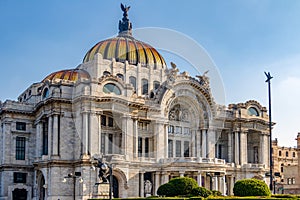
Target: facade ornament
x: 204, y: 80
x: 148, y: 187
x: 125, y: 26
x: 172, y: 73
x: 178, y: 114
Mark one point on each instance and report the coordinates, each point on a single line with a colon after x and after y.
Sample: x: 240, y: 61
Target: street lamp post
x: 269, y: 77
x: 73, y: 177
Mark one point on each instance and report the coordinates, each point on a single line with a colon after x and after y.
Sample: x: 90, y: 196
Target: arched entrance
x: 19, y: 194
x: 42, y: 189
x: 115, y: 187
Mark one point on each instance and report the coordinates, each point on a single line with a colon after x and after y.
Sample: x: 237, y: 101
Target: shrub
x: 167, y: 190
x: 177, y: 187
x: 201, y: 191
x: 216, y: 193
x: 251, y: 187
x: 183, y: 185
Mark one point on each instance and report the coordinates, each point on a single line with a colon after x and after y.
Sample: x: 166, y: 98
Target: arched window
x: 156, y: 84
x: 105, y: 73
x: 45, y: 93
x: 287, y: 154
x: 120, y: 76
x: 279, y: 153
x: 253, y: 112
x: 111, y: 88
x: 144, y: 86
x: 294, y: 154
x: 281, y: 168
x: 132, y: 80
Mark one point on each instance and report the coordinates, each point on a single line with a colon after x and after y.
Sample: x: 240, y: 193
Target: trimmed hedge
x: 180, y: 186
x: 251, y: 187
x: 201, y: 191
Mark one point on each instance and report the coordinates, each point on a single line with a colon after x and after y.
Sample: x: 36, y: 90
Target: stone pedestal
x: 101, y: 191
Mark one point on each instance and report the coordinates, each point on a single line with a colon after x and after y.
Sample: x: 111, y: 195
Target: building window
x: 144, y: 86
x: 45, y: 93
x: 178, y: 130
x: 170, y: 148
x: 186, y: 131
x: 20, y: 148
x: 132, y: 80
x: 45, y: 138
x: 111, y: 88
x: 20, y: 177
x: 186, y: 149
x: 294, y: 154
x: 110, y: 143
x: 253, y: 112
x: 120, y: 76
x: 106, y: 73
x: 171, y: 129
x: 110, y: 122
x: 178, y: 148
x: 103, y: 120
x: 156, y: 85
x: 279, y: 153
x: 140, y: 147
x: 21, y: 126
x: 281, y: 168
x: 287, y: 154
x: 146, y: 147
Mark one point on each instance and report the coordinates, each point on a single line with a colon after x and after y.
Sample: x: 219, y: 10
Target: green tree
x: 251, y: 187
x: 177, y: 187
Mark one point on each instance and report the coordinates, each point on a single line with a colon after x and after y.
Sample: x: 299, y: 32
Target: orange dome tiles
x: 72, y: 75
x: 126, y: 48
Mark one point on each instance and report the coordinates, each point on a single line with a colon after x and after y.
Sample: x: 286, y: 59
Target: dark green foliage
x: 251, y: 187
x: 167, y: 190
x: 177, y: 187
x: 201, y: 191
x: 216, y: 193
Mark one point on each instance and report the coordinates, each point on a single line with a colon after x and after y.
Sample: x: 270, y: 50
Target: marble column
x: 127, y: 136
x: 199, y: 178
x: 230, y: 135
x: 159, y: 140
x: 164, y: 177
x: 264, y: 149
x: 243, y: 148
x: 94, y: 133
x: 221, y: 184
x: 50, y: 135
x: 135, y: 138
x: 55, y: 133
x: 192, y: 145
x: 142, y: 193
x: 39, y: 139
x: 211, y: 141
x: 198, y: 143
x: 85, y: 133
x: 181, y: 173
x: 204, y: 142
x: 157, y: 183
x: 236, y: 148
x: 215, y: 183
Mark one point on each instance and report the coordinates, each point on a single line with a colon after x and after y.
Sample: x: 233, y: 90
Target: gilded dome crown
x: 124, y: 47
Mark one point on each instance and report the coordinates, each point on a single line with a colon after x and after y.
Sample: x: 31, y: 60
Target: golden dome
x: 124, y: 48
x: 72, y: 75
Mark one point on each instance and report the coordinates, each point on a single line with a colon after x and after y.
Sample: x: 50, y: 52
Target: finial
x: 125, y: 25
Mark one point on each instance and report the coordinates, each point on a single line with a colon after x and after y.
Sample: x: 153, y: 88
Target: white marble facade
x: 150, y: 122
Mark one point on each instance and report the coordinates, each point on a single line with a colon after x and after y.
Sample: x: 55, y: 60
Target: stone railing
x: 254, y: 165
x: 193, y: 159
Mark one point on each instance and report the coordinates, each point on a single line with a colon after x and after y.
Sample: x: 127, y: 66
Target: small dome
x: 124, y: 48
x: 72, y: 75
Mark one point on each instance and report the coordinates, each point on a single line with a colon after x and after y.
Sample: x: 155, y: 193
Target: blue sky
x: 244, y: 39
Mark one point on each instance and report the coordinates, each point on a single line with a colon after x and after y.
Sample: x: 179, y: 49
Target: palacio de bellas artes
x: 124, y: 106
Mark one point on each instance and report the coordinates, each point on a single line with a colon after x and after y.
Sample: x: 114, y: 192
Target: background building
x: 285, y: 161
x: 147, y: 120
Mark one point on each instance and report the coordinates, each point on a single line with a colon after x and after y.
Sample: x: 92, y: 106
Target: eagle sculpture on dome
x: 125, y: 8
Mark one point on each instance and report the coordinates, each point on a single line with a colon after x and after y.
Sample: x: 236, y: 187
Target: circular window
x: 252, y: 111
x: 111, y: 88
